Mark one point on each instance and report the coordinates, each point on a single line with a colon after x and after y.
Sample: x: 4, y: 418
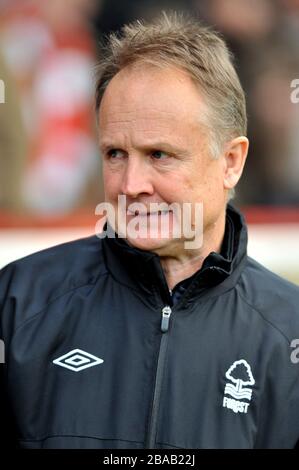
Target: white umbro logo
x: 77, y: 360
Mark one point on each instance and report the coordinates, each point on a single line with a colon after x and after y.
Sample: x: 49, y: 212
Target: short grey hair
x: 183, y: 42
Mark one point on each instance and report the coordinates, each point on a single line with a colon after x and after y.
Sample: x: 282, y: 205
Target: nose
x: 136, y: 178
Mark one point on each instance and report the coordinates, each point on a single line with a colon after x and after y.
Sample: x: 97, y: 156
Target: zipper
x: 166, y: 312
x: 152, y: 430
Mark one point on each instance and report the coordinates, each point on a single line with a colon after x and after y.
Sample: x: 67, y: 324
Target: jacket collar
x: 142, y: 272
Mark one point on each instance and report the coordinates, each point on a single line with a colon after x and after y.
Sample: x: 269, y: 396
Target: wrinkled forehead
x: 145, y: 91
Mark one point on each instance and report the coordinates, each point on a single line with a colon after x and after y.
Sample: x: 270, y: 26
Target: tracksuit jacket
x: 100, y: 354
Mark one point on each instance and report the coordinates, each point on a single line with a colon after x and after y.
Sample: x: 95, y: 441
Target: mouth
x: 147, y: 214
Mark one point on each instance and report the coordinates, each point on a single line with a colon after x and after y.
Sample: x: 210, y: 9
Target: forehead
x: 146, y: 94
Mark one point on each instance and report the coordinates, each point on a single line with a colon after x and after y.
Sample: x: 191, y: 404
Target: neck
x: 182, y: 265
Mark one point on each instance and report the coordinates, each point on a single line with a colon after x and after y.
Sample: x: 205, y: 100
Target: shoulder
x: 76, y: 258
x: 32, y: 282
x: 275, y: 299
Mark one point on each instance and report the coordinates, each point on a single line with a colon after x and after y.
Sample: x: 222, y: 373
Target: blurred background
x: 50, y: 172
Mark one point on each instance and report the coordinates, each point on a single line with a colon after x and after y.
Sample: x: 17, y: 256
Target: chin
x: 162, y: 247
x: 155, y: 245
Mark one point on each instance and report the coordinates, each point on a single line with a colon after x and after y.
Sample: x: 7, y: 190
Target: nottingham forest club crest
x: 237, y: 392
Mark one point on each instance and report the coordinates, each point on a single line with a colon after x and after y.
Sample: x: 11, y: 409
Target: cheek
x: 205, y: 187
x: 112, y: 183
x: 191, y: 188
x: 174, y: 189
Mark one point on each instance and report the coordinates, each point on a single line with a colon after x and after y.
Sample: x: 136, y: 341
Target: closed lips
x: 147, y: 213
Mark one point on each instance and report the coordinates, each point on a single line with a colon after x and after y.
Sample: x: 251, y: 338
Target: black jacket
x: 219, y: 375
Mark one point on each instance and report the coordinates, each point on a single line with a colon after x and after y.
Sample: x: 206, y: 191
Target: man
x: 141, y: 340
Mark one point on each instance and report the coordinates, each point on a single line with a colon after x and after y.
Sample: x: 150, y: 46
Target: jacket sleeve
x: 8, y: 439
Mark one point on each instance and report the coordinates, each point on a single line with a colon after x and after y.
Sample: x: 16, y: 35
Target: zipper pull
x: 166, y: 312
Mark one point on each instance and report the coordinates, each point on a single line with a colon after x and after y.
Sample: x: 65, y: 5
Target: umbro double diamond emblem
x: 77, y: 360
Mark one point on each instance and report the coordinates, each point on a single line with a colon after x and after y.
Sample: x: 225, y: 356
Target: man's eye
x: 159, y: 155
x: 114, y: 153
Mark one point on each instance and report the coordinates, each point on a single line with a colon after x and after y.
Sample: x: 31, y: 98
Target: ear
x: 234, y: 157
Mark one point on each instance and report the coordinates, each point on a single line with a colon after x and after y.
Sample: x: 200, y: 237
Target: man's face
x: 155, y: 150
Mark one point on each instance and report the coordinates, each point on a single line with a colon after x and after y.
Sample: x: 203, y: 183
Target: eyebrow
x: 158, y: 145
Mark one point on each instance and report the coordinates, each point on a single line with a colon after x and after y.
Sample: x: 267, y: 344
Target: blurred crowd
x: 49, y: 159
